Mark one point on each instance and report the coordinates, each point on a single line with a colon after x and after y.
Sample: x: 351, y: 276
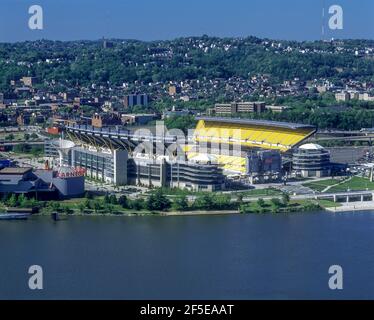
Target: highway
x: 14, y: 143
x: 351, y: 138
x: 19, y: 129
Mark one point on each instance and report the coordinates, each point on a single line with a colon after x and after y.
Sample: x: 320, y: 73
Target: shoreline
x: 155, y: 214
x: 358, y: 207
x: 364, y: 206
x: 173, y: 214
x: 200, y: 213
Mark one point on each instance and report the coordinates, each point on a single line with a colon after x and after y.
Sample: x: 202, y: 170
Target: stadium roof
x: 15, y: 171
x: 267, y: 123
x: 311, y: 146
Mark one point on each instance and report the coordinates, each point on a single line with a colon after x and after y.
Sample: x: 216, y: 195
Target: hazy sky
x: 167, y: 19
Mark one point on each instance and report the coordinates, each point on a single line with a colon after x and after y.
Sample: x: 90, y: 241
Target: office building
x: 132, y: 100
x: 239, y: 107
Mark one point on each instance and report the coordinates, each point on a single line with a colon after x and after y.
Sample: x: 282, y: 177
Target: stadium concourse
x: 240, y: 136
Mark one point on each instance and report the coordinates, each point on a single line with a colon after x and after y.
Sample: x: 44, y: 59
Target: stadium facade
x: 218, y: 147
x: 230, y: 140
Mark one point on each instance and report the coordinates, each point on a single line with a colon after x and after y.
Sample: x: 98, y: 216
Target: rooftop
x: 266, y: 123
x: 311, y: 146
x: 15, y: 170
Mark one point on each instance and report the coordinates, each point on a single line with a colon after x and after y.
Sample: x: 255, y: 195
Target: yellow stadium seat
x: 249, y: 134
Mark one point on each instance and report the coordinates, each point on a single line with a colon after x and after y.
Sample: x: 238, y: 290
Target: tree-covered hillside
x: 205, y: 57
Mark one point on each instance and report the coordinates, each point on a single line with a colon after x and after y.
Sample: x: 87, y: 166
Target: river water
x: 192, y: 257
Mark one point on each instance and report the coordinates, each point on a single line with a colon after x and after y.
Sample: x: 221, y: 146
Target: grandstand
x: 281, y: 136
x: 247, y: 134
x: 228, y: 163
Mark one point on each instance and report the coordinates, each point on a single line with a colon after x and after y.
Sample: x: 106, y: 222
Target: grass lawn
x: 17, y: 136
x: 245, y: 193
x: 321, y: 185
x: 269, y: 207
x: 2, y: 207
x: 176, y: 192
x: 355, y: 184
x: 261, y: 192
x: 329, y: 204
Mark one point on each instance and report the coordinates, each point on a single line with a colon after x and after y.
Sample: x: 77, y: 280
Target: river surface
x: 195, y: 257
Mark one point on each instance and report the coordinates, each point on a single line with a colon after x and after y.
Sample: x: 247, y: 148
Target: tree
x: 12, y: 202
x: 34, y: 136
x: 181, y: 122
x: 261, y: 202
x: 109, y: 208
x: 204, y: 202
x: 26, y: 137
x: 245, y: 208
x: 22, y: 201
x: 122, y: 201
x: 67, y: 210
x: 180, y: 203
x: 239, y: 199
x: 87, y: 203
x: 137, y: 204
x: 55, y: 205
x: 276, y: 202
x: 5, y: 198
x: 22, y: 148
x: 36, y: 151
x: 285, y: 199
x: 106, y: 198
x: 113, y: 199
x: 221, y: 201
x: 97, y: 206
x: 31, y: 203
x: 88, y: 195
x: 81, y: 207
x: 276, y: 205
x: 10, y: 137
x: 158, y: 201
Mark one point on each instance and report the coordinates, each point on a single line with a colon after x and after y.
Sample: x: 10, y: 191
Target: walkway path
x: 335, y: 185
x: 353, y: 206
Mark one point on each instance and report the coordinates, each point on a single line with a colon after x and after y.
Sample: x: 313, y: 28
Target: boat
x: 14, y: 216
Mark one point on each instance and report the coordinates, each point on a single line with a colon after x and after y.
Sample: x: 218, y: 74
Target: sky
x: 169, y: 19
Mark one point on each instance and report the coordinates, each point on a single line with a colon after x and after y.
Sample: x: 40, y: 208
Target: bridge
x: 352, y: 196
x: 18, y: 142
x: 339, y: 135
x: 19, y: 129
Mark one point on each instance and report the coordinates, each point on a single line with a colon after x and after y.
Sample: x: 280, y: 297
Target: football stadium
x: 217, y: 150
x: 229, y: 140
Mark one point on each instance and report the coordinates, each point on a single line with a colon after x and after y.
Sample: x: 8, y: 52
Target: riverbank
x: 356, y: 206
x: 206, y: 204
x: 285, y: 210
x: 200, y: 213
x: 145, y: 214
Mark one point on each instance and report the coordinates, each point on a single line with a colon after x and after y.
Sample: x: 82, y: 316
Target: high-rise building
x: 136, y: 100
